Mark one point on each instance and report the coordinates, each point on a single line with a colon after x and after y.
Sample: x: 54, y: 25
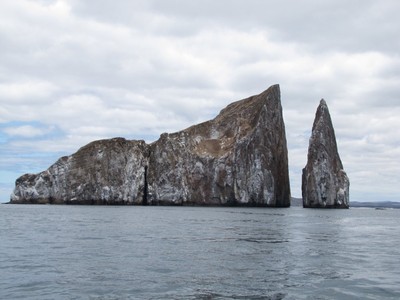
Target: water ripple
x: 65, y: 252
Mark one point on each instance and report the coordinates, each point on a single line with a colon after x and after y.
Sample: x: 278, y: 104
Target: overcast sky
x: 73, y: 71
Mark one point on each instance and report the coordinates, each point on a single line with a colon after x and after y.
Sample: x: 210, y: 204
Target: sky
x: 74, y: 71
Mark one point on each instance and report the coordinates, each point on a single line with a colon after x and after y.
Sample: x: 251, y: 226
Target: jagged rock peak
x: 324, y: 181
x: 238, y: 158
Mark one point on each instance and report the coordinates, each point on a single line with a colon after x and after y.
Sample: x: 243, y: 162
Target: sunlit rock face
x: 324, y: 183
x: 238, y: 158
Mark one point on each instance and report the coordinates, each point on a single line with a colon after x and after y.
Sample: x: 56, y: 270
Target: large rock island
x: 238, y: 158
x: 324, y: 183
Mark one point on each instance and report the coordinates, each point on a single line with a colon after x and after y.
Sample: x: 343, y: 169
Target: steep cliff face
x: 324, y: 182
x: 238, y: 158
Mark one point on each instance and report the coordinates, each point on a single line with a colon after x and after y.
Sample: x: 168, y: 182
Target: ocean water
x: 131, y: 252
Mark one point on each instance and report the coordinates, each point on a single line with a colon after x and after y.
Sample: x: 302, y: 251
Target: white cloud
x: 32, y: 90
x: 27, y: 131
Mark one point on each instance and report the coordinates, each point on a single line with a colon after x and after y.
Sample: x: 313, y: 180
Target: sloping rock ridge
x: 238, y: 158
x: 324, y: 182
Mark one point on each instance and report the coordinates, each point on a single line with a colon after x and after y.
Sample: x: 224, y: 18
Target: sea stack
x: 324, y: 182
x: 238, y: 158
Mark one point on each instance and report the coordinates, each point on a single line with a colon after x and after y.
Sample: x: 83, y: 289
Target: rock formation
x: 324, y: 182
x: 106, y: 171
x: 238, y: 158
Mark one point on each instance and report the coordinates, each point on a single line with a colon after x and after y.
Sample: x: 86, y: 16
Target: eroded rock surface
x: 238, y: 158
x: 324, y: 182
x: 102, y: 172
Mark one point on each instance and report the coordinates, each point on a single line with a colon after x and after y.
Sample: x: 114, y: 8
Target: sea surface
x: 134, y: 252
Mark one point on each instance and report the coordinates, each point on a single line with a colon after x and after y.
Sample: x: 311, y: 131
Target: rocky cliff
x: 102, y: 172
x: 238, y: 158
x: 324, y: 182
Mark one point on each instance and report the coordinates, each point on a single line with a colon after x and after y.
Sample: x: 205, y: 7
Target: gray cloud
x: 72, y: 71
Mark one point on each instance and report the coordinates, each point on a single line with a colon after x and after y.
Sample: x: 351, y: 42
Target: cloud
x: 35, y: 90
x: 75, y: 71
x: 26, y: 131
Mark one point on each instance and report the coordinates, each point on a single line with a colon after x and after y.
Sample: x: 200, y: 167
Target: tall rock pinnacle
x: 324, y: 182
x: 238, y: 158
